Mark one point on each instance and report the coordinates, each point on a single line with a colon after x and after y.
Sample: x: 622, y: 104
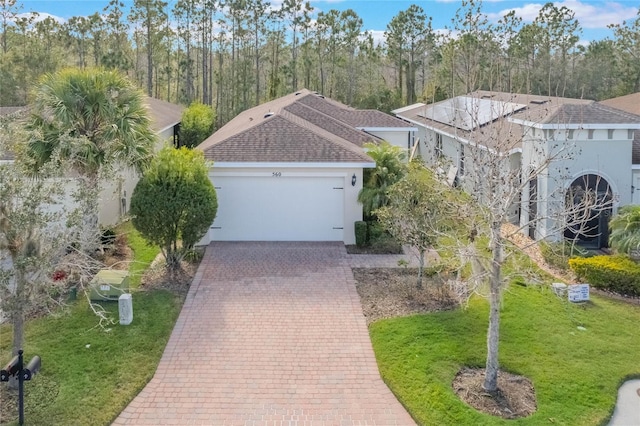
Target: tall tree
x: 627, y: 40
x: 559, y: 34
x: 296, y: 12
x: 257, y: 27
x: 8, y: 13
x: 351, y: 31
x: 473, y: 48
x: 78, y: 28
x: 408, y: 36
x: 150, y: 16
x: 117, y: 50
x: 184, y: 12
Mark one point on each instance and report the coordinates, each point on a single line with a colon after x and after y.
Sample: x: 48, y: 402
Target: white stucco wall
x: 401, y: 138
x: 635, y: 189
x: 352, y: 209
x: 602, y: 152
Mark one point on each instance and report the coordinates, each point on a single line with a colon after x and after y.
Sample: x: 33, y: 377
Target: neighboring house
x: 116, y: 194
x: 631, y: 104
x: 291, y: 169
x: 597, y: 136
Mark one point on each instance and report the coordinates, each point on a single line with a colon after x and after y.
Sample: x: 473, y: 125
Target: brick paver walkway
x: 270, y: 334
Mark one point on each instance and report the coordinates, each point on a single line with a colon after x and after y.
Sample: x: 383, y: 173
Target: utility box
x: 108, y: 284
x: 125, y: 307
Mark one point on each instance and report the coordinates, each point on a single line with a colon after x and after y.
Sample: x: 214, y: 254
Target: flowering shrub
x: 617, y: 273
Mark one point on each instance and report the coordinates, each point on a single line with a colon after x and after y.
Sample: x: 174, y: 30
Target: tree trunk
x: 420, y: 269
x: 17, y: 314
x: 493, y: 333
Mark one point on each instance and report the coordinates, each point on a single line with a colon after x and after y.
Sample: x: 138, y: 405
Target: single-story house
x: 291, y: 169
x: 116, y: 194
x: 597, y: 140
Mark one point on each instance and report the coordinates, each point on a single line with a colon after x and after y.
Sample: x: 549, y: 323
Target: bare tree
x: 494, y: 135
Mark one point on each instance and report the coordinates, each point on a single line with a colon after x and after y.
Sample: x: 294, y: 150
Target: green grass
x: 88, y: 374
x: 575, y: 373
x: 144, y: 253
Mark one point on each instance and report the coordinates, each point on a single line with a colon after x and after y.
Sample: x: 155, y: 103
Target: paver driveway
x: 270, y: 333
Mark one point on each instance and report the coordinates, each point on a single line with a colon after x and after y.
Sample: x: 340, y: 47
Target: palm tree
x: 625, y: 230
x: 92, y: 121
x: 390, y: 168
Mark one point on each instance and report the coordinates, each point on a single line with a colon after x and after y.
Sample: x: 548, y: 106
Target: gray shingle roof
x: 279, y: 139
x: 591, y: 113
x: 300, y: 127
x: 163, y: 114
x: 505, y: 135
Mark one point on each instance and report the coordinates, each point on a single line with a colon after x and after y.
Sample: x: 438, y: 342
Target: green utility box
x: 109, y: 285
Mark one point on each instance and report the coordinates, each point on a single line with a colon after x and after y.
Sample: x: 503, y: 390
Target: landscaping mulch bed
x: 157, y: 277
x: 515, y: 397
x: 392, y: 292
x: 375, y: 249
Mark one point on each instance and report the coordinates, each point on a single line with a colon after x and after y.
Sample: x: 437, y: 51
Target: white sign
x: 579, y: 293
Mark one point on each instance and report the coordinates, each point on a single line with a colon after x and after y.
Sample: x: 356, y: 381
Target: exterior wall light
x: 353, y: 180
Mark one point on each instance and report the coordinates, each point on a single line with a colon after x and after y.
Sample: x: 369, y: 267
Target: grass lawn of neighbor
x: 90, y: 374
x: 576, y: 355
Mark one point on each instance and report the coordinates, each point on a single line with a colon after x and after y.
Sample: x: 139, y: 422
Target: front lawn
x: 89, y: 374
x: 576, y: 373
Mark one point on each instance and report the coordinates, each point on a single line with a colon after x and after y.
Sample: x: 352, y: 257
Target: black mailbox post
x: 16, y: 367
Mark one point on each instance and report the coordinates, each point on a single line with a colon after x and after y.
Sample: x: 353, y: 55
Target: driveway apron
x: 270, y: 333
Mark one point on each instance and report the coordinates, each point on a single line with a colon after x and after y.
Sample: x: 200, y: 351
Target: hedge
x: 361, y: 233
x: 616, y: 273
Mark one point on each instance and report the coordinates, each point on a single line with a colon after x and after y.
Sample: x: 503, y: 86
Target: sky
x: 593, y: 15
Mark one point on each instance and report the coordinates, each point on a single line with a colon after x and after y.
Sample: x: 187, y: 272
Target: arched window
x: 588, y: 203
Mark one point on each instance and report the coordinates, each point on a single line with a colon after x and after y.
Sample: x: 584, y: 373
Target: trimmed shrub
x: 617, y: 273
x: 361, y: 233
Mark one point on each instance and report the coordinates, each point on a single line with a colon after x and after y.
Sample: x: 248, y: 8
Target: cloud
x: 41, y: 16
x: 378, y: 37
x: 591, y: 15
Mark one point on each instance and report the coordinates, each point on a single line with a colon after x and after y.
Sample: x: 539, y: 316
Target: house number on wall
x: 276, y: 174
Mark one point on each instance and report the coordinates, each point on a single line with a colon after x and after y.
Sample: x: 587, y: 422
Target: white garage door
x: 269, y: 208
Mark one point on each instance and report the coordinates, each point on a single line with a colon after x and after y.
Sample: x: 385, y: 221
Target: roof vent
x: 487, y: 96
x: 297, y: 93
x: 538, y: 101
x: 321, y: 96
x: 269, y: 114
